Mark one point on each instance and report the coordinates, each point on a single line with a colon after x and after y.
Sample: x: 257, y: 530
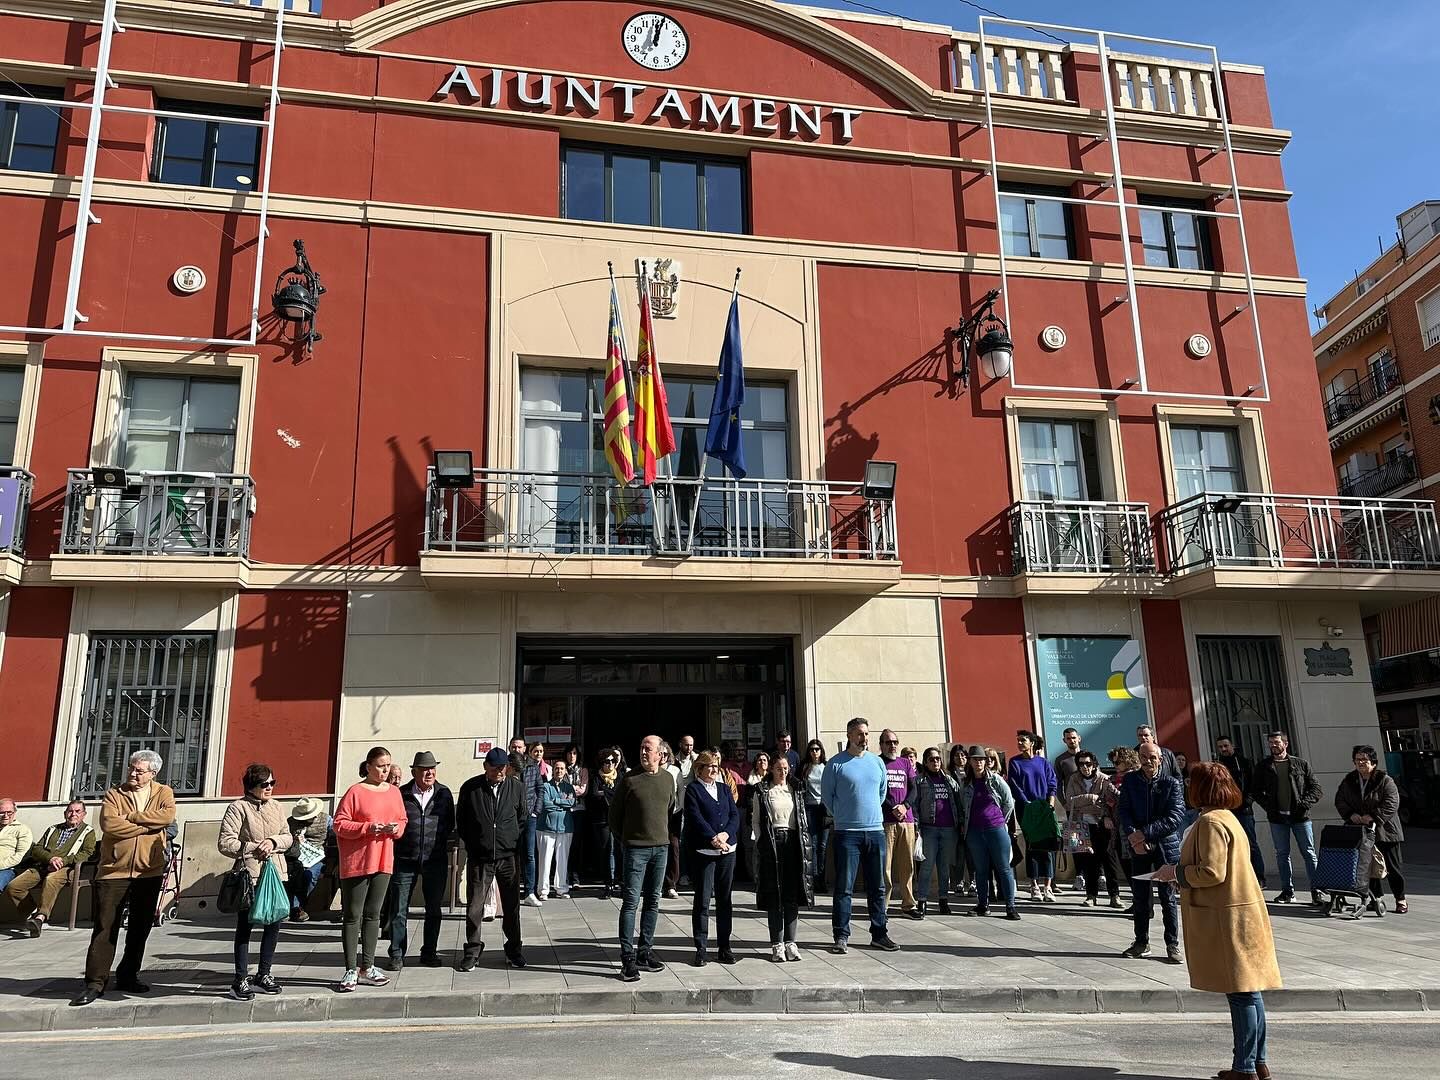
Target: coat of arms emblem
x: 664, y: 289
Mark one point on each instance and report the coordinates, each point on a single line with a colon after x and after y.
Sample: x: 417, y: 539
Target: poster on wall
x: 1095, y: 685
x: 732, y: 726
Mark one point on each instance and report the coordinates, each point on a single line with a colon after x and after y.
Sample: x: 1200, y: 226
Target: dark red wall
x: 1171, y: 703
x: 988, y: 681
x: 285, y: 689
x: 30, y: 680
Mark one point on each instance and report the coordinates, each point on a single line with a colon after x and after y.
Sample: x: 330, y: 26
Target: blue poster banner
x: 1095, y: 685
x: 9, y: 510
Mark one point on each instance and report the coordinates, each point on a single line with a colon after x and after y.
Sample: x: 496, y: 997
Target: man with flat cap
x: 423, y: 852
x: 490, y: 816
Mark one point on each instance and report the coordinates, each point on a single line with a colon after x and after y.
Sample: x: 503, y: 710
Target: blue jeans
x: 865, y: 851
x: 527, y: 858
x: 939, y: 843
x: 1257, y: 858
x: 819, y: 835
x: 7, y: 876
x: 644, y: 877
x: 1143, y: 892
x: 432, y: 877
x: 1280, y: 833
x: 302, y: 883
x: 1247, y: 1021
x: 990, y: 850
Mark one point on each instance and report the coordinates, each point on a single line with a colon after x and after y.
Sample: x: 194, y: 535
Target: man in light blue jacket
x: 853, y: 790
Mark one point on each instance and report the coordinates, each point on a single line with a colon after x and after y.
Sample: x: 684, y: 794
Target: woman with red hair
x: 1222, y: 909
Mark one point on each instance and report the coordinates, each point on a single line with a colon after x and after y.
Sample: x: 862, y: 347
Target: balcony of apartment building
x: 1071, y: 546
x: 1356, y: 402
x: 1396, y: 471
x: 1386, y: 550
x: 174, y: 527
x: 1408, y: 675
x: 15, y: 487
x: 509, y: 528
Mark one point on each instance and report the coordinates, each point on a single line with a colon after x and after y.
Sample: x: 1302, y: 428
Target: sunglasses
x: 611, y: 760
x: 268, y: 783
x: 890, y: 742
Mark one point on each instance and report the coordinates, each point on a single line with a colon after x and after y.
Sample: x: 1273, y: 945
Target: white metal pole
x: 264, y: 232
x: 987, y: 72
x: 83, y: 215
x: 704, y: 455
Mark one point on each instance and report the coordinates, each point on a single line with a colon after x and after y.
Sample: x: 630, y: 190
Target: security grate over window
x: 146, y: 692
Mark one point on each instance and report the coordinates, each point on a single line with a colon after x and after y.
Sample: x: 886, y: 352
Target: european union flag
x: 722, y: 437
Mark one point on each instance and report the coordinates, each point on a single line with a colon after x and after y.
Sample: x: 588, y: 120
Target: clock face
x: 655, y: 41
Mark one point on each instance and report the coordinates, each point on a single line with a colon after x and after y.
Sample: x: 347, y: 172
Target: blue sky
x: 1355, y: 83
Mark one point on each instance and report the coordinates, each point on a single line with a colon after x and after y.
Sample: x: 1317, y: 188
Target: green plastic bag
x: 271, y: 901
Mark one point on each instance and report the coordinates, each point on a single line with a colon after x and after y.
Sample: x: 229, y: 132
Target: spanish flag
x: 654, y: 438
x: 617, y: 402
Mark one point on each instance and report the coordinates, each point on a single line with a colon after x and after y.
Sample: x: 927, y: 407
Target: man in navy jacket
x: 1152, y: 809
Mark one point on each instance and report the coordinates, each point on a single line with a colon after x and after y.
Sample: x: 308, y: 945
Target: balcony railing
x: 1081, y: 538
x: 1413, y: 671
x: 1383, y: 378
x: 15, y: 487
x: 1295, y: 532
x: 517, y: 511
x: 1156, y: 85
x: 1431, y: 336
x: 1016, y: 68
x: 1395, y: 473
x: 158, y: 513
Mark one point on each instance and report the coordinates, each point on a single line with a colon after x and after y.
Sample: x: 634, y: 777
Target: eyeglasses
x: 890, y: 742
x: 611, y: 760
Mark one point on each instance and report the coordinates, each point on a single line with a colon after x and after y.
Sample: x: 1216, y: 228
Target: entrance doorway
x: 599, y: 692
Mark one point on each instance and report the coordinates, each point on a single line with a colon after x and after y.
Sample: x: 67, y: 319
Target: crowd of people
x: 909, y: 825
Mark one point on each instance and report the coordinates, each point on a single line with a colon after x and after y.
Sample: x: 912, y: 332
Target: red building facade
x: 270, y: 571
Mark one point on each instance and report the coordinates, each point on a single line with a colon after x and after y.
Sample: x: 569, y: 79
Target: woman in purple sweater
x: 1033, y: 779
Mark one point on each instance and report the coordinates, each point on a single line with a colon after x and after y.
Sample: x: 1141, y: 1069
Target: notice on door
x: 732, y: 724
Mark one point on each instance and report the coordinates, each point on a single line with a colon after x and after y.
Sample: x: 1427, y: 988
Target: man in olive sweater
x: 640, y: 819
x: 44, y: 871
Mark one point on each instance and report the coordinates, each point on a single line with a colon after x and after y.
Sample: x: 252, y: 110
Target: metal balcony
x: 15, y: 487
x: 1395, y: 473
x: 518, y: 511
x: 1401, y: 674
x: 1296, y: 532
x: 1382, y: 380
x: 205, y: 515
x: 1053, y: 537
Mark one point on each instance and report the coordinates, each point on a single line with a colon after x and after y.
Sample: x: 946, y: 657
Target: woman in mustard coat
x: 1230, y: 949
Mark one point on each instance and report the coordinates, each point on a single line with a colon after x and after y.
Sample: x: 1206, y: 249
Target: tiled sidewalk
x: 1061, y: 953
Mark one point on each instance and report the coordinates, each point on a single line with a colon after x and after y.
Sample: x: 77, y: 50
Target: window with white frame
x: 1059, y: 460
x: 1429, y: 308
x: 180, y: 423
x: 12, y: 383
x: 1206, y: 459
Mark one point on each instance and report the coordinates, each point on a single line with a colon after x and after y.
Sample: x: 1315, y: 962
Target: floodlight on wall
x: 108, y: 478
x: 297, y: 296
x: 995, y: 347
x: 454, y: 468
x: 1226, y: 504
x: 879, y: 483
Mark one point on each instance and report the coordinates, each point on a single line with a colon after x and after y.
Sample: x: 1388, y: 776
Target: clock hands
x: 655, y: 33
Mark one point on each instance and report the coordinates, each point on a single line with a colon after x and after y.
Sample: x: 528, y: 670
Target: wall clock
x: 655, y: 41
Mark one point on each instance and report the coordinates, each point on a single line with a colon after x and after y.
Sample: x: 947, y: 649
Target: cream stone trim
x: 1247, y: 419
x: 139, y: 193
x: 162, y: 569
x: 72, y: 677
x: 229, y: 623
x: 12, y: 572
x: 1104, y: 414
x: 30, y: 356
x: 117, y: 363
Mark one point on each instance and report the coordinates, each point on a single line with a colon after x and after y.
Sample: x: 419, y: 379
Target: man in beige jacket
x: 15, y: 841
x: 133, y: 819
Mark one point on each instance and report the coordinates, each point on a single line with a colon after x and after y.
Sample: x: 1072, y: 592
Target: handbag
x: 1075, y: 838
x: 237, y: 891
x: 270, y: 903
x: 1039, y: 827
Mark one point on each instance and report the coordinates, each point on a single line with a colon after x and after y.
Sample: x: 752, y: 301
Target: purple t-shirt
x: 985, y: 812
x: 944, y: 805
x: 900, y: 774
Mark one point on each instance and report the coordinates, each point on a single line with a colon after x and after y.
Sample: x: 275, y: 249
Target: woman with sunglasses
x: 935, y: 815
x: 603, y: 780
x: 1087, y: 794
x: 255, y: 830
x: 711, y: 830
x: 812, y: 769
x: 987, y: 807
x: 369, y: 818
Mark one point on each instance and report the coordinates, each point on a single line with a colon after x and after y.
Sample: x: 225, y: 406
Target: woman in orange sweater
x: 370, y: 816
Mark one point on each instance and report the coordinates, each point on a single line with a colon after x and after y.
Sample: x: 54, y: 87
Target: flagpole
x: 705, y: 457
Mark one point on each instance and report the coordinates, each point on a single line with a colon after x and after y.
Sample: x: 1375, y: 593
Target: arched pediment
x: 376, y: 29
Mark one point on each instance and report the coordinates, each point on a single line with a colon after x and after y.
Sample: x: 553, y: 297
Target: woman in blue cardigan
x: 711, y: 833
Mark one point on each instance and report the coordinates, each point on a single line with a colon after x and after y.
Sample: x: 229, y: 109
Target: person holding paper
x: 1151, y: 810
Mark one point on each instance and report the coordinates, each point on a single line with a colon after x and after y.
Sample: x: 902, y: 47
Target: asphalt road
x: 1315, y: 1046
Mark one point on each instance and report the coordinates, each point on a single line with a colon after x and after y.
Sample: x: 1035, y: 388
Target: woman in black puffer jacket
x: 782, y: 855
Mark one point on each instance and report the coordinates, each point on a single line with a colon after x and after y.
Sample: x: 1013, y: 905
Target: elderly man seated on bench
x: 46, y: 866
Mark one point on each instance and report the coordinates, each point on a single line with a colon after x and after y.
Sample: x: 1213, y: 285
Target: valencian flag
x: 617, y: 401
x: 654, y: 438
x: 722, y: 437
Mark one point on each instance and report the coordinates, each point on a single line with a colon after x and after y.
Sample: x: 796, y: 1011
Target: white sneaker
x: 348, y: 981
x: 1035, y: 892
x: 531, y: 901
x: 373, y: 976
x: 777, y: 953
x: 792, y: 951
x: 542, y: 897
x: 1048, y: 895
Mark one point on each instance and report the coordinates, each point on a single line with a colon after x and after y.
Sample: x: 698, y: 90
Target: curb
x: 810, y: 1000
